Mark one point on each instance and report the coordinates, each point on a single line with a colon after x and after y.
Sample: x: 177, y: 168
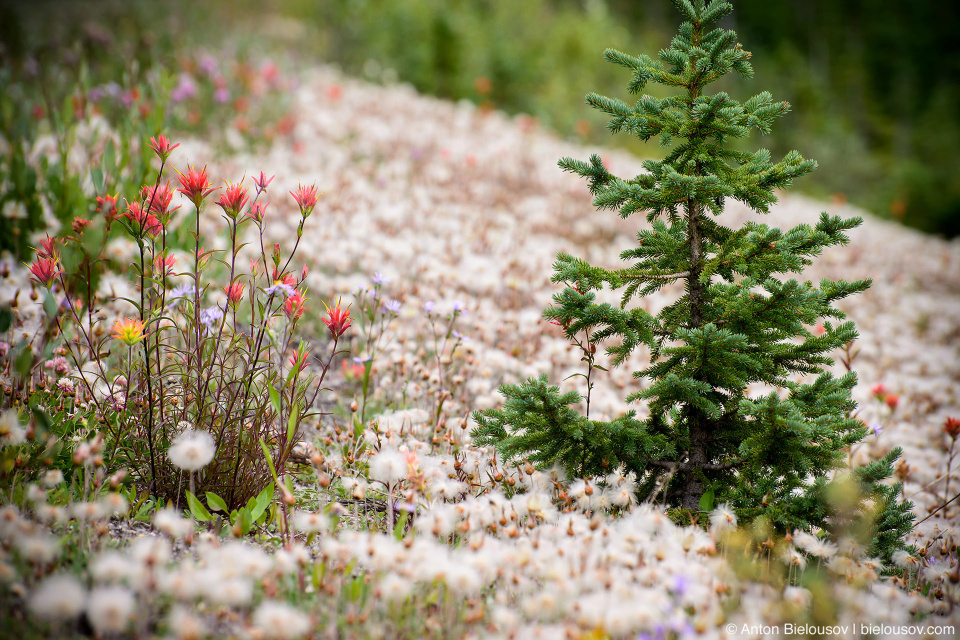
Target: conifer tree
x: 739, y: 321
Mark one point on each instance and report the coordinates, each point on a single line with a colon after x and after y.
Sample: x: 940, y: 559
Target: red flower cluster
x: 162, y: 147
x: 157, y: 198
x: 233, y: 199
x: 194, y: 184
x: 294, y: 305
x: 306, y: 198
x: 44, y: 267
x: 951, y: 427
x: 143, y: 221
x: 337, y: 320
x: 234, y: 293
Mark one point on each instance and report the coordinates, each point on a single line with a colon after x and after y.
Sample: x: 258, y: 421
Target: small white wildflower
x: 39, y: 548
x: 462, y: 579
x: 151, y: 551
x: 804, y: 540
x: 310, y: 522
x: 11, y: 433
x: 395, y: 588
x: 87, y: 511
x: 169, y: 521
x: 186, y: 626
x: 230, y: 592
x: 723, y: 519
x: 192, y: 450
x: 280, y: 621
x: 388, y: 466
x: 798, y: 597
x: 903, y: 559
x: 52, y: 478
x: 35, y: 494
x: 112, y: 567
x: 850, y: 547
x: 58, y: 597
x: 49, y: 514
x: 792, y: 556
x: 290, y: 560
x: 822, y: 548
x: 110, y: 609
x: 114, y: 504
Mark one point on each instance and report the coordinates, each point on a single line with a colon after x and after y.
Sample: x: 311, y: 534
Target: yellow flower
x: 128, y: 331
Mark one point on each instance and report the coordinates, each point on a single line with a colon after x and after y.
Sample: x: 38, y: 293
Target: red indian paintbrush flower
x: 294, y: 305
x: 306, y: 198
x: 337, y: 320
x: 79, y: 224
x: 233, y: 199
x: 48, y: 248
x: 157, y: 198
x: 107, y: 205
x: 234, y: 293
x: 143, y: 221
x: 257, y: 211
x: 194, y: 185
x: 128, y: 331
x: 262, y: 182
x: 164, y: 264
x: 162, y: 147
x: 44, y: 270
x: 951, y: 427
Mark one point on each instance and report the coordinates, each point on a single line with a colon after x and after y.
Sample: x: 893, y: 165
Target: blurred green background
x: 873, y: 83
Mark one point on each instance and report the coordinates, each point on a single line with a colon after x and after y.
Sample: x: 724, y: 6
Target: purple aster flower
x: 285, y: 289
x: 180, y: 293
x: 876, y: 427
x: 378, y: 278
x: 391, y: 305
x: 428, y: 306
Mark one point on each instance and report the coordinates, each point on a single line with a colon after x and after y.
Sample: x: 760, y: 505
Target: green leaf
x: 706, y: 500
x: 109, y: 158
x: 6, y: 319
x: 96, y: 176
x: 400, y: 524
x: 24, y: 359
x: 216, y: 503
x: 244, y: 520
x: 197, y: 510
x: 263, y: 501
x: 49, y: 304
x: 266, y: 452
x: 274, y: 399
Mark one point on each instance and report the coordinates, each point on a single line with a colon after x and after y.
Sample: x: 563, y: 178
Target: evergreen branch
x: 686, y: 466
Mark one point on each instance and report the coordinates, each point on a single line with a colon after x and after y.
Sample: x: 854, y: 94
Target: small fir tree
x: 738, y: 322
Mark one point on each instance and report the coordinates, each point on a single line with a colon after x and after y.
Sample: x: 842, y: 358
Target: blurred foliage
x: 874, y: 85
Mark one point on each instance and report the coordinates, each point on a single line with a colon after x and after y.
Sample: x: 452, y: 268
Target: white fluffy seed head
x: 388, y: 466
x: 280, y: 621
x: 192, y: 450
x: 110, y: 609
x: 58, y: 597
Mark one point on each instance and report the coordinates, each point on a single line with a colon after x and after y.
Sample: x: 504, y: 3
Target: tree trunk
x: 696, y: 421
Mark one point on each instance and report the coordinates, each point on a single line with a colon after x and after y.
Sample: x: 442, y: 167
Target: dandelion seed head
x: 280, y: 621
x: 192, y: 450
x: 58, y: 597
x: 110, y: 609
